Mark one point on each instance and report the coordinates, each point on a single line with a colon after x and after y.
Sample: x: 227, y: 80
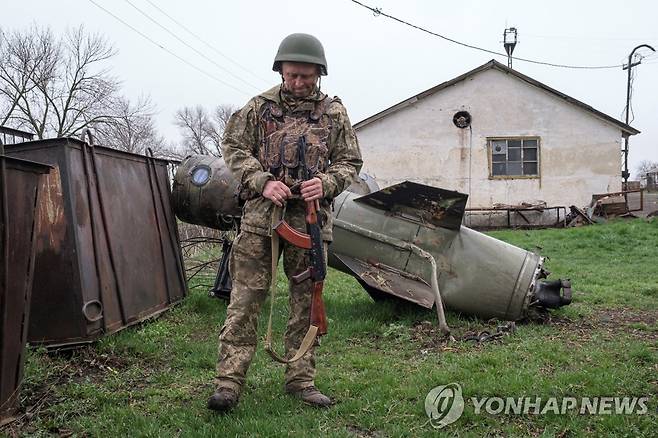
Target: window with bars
x: 514, y: 157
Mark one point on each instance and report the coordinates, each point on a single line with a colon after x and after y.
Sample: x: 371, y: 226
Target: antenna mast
x: 509, y: 42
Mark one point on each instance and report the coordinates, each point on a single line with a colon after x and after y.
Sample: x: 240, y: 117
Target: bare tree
x: 646, y: 166
x: 221, y: 115
x: 196, y: 128
x: 131, y: 128
x: 55, y: 87
x: 26, y: 60
x: 202, y: 133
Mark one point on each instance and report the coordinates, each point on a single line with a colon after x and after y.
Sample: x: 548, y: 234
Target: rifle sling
x: 311, y: 333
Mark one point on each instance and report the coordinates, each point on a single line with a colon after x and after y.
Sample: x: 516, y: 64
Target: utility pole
x: 509, y: 42
x: 625, y: 174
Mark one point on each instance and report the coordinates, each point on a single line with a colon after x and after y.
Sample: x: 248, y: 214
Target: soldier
x: 260, y: 146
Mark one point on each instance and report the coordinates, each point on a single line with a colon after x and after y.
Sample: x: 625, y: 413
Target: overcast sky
x: 374, y: 62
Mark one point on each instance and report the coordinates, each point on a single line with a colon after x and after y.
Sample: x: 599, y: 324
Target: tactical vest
x: 280, y: 133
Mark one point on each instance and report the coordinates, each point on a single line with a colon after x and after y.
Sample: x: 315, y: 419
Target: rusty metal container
x: 108, y: 252
x: 19, y: 192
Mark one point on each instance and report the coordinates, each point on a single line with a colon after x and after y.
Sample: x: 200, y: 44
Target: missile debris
x: 405, y: 241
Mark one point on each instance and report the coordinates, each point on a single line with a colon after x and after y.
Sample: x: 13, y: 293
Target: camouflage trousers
x: 250, y: 268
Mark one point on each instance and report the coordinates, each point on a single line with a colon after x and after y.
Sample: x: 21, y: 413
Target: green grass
x: 609, y: 264
x: 380, y: 360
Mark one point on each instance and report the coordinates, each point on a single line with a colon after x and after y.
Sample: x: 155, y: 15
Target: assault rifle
x: 311, y: 241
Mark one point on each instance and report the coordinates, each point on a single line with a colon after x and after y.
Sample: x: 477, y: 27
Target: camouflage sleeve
x: 344, y: 153
x: 240, y: 146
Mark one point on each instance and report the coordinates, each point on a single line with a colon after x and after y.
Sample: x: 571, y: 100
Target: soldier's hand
x: 312, y: 189
x: 277, y: 192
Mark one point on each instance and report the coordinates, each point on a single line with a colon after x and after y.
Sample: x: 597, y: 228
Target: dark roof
x: 493, y: 64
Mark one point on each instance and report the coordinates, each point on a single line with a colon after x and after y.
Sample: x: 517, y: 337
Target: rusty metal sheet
x: 390, y: 280
x: 108, y: 252
x: 419, y: 202
x: 19, y: 188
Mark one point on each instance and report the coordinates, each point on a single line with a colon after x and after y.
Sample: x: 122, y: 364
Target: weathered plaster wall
x: 579, y: 153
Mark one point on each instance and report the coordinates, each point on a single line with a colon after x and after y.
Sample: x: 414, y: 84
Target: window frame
x: 490, y: 141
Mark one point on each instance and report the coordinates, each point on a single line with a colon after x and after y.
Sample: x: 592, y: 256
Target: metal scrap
x: 578, y: 217
x: 486, y: 335
x: 20, y: 191
x: 89, y: 281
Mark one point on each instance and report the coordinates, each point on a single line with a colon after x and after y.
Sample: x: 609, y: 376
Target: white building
x: 525, y: 141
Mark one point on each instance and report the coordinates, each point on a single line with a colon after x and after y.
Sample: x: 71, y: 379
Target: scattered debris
x: 578, y: 217
x: 431, y: 340
x: 616, y: 204
x: 605, y: 206
x: 362, y: 432
x: 609, y: 205
x: 486, y: 335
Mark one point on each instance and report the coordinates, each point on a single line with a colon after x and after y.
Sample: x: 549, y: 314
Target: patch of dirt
x: 361, y: 432
x: 87, y: 364
x: 472, y: 335
x: 639, y: 324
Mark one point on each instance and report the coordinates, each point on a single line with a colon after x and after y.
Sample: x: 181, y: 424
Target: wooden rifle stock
x: 318, y: 314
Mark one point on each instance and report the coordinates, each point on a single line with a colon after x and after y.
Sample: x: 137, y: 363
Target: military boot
x: 223, y: 400
x: 311, y: 396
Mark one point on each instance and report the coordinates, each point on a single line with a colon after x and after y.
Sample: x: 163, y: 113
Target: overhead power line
x: 378, y: 11
x: 210, y: 75
x: 203, y: 55
x: 213, y: 48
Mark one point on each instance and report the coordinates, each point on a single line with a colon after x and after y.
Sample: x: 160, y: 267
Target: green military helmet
x: 301, y: 47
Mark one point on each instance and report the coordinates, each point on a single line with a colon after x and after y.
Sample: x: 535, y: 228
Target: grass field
x: 380, y: 360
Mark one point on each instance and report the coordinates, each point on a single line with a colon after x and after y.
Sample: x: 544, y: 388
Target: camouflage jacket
x: 241, y: 147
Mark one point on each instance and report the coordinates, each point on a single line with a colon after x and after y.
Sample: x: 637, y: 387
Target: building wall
x: 579, y: 153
